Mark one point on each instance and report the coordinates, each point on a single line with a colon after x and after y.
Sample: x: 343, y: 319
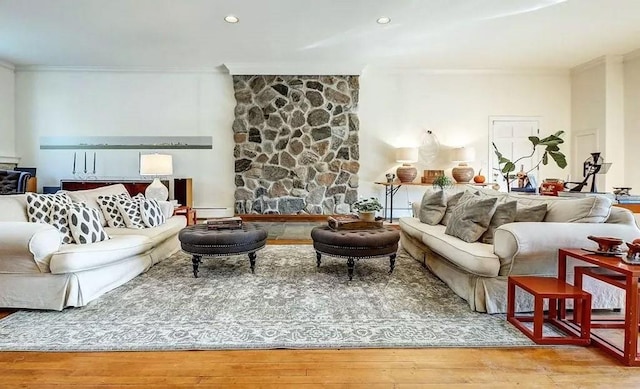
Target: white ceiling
x: 437, y: 34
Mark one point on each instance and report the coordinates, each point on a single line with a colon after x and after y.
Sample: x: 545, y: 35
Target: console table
x: 390, y: 189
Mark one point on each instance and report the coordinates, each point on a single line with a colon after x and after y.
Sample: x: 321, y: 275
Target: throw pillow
x: 130, y: 211
x: 109, y: 207
x: 505, y: 213
x: 531, y: 214
x: 151, y: 213
x: 452, y: 201
x: 39, y: 206
x: 471, y: 217
x: 85, y: 224
x: 60, y: 220
x: 432, y: 207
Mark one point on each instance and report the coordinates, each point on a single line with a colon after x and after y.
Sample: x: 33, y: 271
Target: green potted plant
x: 551, y: 146
x: 442, y: 182
x: 367, y: 208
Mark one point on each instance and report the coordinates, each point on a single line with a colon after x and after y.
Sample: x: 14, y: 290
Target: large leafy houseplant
x: 551, y: 146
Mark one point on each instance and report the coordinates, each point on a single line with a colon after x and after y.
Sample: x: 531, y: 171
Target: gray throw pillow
x: 471, y: 217
x: 432, y: 207
x: 531, y: 214
x: 505, y: 213
x: 452, y: 201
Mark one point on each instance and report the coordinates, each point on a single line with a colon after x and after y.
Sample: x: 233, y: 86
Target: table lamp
x: 156, y: 165
x: 463, y: 173
x: 406, y: 155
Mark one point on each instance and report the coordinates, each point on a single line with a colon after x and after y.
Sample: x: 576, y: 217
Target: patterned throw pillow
x: 432, y: 207
x: 151, y: 213
x: 130, y: 211
x: 85, y: 225
x: 505, y: 213
x: 109, y: 207
x: 471, y: 217
x: 39, y: 206
x: 60, y: 220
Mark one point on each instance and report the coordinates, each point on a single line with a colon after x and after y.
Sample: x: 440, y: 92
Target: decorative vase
x: 367, y: 216
x: 406, y: 173
x: 462, y: 173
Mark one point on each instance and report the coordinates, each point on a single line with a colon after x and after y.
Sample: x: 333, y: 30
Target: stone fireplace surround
x: 296, y: 144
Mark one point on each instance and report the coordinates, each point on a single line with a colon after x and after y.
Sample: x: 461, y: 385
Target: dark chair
x: 13, y: 182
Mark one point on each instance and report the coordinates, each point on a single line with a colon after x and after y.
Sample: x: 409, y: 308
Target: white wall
x: 50, y: 103
x: 632, y: 121
x: 396, y: 107
x: 7, y: 111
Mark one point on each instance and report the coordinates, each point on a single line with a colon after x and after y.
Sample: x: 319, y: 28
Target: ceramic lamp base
x: 156, y: 190
x: 406, y: 173
x: 462, y: 173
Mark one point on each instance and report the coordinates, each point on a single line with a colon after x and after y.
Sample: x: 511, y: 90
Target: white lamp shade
x: 406, y: 154
x: 156, y: 165
x: 463, y: 154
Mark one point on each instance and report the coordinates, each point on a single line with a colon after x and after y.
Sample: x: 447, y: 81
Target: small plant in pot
x: 442, y: 182
x: 367, y: 208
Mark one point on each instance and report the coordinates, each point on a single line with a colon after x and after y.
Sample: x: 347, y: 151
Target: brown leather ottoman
x: 352, y: 244
x: 198, y: 240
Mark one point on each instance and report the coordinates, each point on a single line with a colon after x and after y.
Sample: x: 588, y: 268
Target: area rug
x: 287, y: 303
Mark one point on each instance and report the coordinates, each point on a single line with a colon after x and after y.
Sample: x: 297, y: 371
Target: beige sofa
x: 37, y: 271
x: 478, y: 272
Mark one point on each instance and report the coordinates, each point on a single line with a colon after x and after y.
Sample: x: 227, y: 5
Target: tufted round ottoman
x: 198, y: 240
x: 352, y: 244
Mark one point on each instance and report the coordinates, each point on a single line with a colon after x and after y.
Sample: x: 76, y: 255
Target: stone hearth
x: 296, y: 144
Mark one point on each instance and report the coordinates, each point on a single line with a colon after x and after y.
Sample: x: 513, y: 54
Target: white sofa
x: 478, y: 272
x: 37, y: 271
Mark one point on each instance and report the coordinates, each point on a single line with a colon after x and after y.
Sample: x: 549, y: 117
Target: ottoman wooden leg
x: 196, y: 260
x: 350, y: 265
x: 318, y: 256
x: 392, y: 262
x: 252, y: 261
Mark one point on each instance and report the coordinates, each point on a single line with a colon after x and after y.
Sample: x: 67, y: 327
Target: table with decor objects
x: 188, y: 212
x: 356, y: 244
x: 613, y: 271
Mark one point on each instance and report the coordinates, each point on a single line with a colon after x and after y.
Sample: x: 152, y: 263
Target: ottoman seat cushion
x: 198, y: 239
x: 355, y: 243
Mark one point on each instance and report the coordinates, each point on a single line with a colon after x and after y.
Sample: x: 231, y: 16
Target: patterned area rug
x: 287, y: 303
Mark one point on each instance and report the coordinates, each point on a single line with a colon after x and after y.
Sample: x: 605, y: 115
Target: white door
x: 511, y: 135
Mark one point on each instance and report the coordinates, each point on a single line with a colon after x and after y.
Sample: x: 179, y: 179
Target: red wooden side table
x: 554, y: 290
x: 188, y: 212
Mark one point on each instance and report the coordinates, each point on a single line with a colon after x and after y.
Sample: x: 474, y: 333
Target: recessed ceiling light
x: 231, y: 19
x: 384, y: 20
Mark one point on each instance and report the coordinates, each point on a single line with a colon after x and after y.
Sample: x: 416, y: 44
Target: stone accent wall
x: 296, y: 144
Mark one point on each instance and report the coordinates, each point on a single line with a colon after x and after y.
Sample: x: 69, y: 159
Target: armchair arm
x: 27, y: 247
x: 532, y: 248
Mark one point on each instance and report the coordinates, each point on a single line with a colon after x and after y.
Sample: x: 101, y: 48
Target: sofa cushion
x: 14, y: 208
x: 85, y: 226
x: 452, y: 201
x: 151, y: 213
x: 505, y: 213
x: 471, y: 217
x: 109, y: 207
x: 432, y: 207
x: 77, y: 257
x: 590, y: 209
x: 90, y: 196
x: 535, y: 213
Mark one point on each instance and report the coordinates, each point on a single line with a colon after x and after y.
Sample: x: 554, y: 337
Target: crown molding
x: 589, y: 65
x: 120, y: 69
x: 427, y: 71
x: 7, y: 159
x: 7, y: 65
x: 294, y: 69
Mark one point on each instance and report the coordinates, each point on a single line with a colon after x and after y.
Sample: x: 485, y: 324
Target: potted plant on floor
x: 367, y: 208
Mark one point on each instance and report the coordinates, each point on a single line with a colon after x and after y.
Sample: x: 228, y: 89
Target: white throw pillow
x: 109, y: 207
x: 130, y: 211
x: 151, y: 213
x: 85, y: 224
